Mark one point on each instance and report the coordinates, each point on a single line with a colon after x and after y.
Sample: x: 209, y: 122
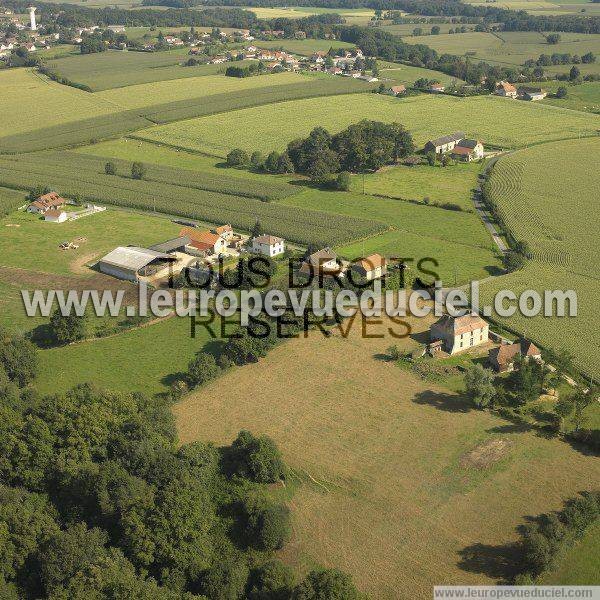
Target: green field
x: 356, y: 16
x: 406, y: 29
x: 584, y: 97
x: 393, y: 73
x: 547, y: 7
x: 181, y: 192
x: 440, y: 184
x: 457, y: 240
x: 162, y: 92
x: 304, y: 47
x: 513, y: 48
x: 30, y: 101
x: 265, y: 128
x: 114, y: 68
x: 546, y: 196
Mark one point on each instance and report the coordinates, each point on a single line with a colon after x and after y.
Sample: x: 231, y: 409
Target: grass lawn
x: 584, y: 97
x: 382, y: 461
x: 30, y: 101
x: 159, y: 92
x: 491, y: 119
x: 34, y: 243
x: 394, y: 73
x: 138, y: 360
x: 439, y: 184
x: 580, y: 564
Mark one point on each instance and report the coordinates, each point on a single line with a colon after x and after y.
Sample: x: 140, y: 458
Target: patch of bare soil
x: 12, y: 225
x: 79, y: 264
x: 485, y: 454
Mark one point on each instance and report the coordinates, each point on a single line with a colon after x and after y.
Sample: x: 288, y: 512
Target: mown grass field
x: 491, y: 119
x: 184, y: 193
x: 514, y: 47
x: 381, y: 461
x: 304, y: 47
x: 30, y: 101
x: 439, y: 184
x: 406, y: 29
x: 356, y: 16
x: 393, y: 73
x: 550, y: 7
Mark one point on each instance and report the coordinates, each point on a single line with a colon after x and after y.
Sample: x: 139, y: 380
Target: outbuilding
x: 55, y: 216
x: 130, y: 262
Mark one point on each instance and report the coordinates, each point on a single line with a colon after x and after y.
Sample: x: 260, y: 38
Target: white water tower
x: 32, y: 18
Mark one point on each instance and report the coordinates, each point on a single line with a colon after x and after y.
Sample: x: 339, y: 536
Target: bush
x: 226, y: 580
x: 271, y: 581
x: 342, y: 182
x: 257, y: 160
x: 257, y: 458
x: 561, y: 92
x: 202, y: 369
x: 479, y: 384
x: 67, y: 329
x: 238, y: 158
x: 110, y: 168
x: 327, y: 584
x: 138, y: 170
x: 272, y: 161
x: 268, y: 526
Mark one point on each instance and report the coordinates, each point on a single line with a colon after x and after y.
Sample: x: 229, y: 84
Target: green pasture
x: 406, y: 29
x: 491, y: 119
x: 304, y: 47
x: 394, y: 73
x: 438, y: 184
x: 585, y: 97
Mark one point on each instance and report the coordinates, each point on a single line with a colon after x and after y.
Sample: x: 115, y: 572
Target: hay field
x: 162, y: 92
x: 30, y: 101
x: 386, y: 492
x: 264, y: 128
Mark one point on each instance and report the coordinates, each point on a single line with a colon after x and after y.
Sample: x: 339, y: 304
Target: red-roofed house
x: 459, y: 333
x: 371, y: 267
x: 508, y: 90
x: 397, y: 90
x: 46, y: 202
x: 205, y: 241
x: 503, y: 358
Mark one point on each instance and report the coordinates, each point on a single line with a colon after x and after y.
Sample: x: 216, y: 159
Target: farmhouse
x: 46, y: 202
x: 503, y: 359
x: 130, y: 262
x: 55, y: 216
x: 468, y: 150
x: 224, y: 231
x: 269, y: 245
x: 445, y: 143
x: 436, y: 88
x: 371, y: 267
x: 205, y: 241
x: 459, y: 333
x: 532, y: 94
x: 505, y: 89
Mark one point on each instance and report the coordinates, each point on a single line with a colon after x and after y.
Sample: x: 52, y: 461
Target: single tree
x: 67, y: 328
x: 561, y: 92
x: 110, y: 168
x: 479, y: 385
x: 202, y: 368
x: 238, y: 158
x: 138, y: 170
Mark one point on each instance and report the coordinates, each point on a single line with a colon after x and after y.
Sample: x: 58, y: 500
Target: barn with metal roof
x: 131, y: 263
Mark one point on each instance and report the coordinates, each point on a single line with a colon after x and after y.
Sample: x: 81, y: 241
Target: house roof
x: 467, y: 143
x: 48, y: 200
x: 446, y: 139
x: 270, y: 240
x: 132, y: 258
x: 398, y: 88
x: 198, y: 235
x: 321, y: 256
x: 54, y: 213
x: 371, y: 262
x: 202, y: 245
x: 506, y: 354
x: 171, y: 245
x: 437, y: 86
x: 458, y: 325
x: 462, y: 150
x: 507, y: 87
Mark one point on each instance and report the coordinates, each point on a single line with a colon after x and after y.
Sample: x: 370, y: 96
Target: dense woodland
x: 98, y: 500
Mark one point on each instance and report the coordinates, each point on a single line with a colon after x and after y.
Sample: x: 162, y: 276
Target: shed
x: 177, y: 244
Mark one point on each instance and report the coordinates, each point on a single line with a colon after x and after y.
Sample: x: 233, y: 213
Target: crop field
x: 514, y: 47
x: 30, y: 101
x: 382, y: 462
x: 557, y: 183
x: 10, y: 200
x: 491, y: 119
x: 357, y: 16
x: 406, y: 29
x: 105, y: 70
x: 440, y: 184
x: 550, y: 7
x: 163, y: 92
x: 84, y: 175
x: 131, y: 120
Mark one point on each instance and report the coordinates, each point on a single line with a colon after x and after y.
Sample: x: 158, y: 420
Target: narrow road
x: 482, y: 210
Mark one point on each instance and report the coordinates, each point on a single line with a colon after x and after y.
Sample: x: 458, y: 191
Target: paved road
x: 484, y: 213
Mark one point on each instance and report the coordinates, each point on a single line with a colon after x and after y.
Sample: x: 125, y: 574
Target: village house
x: 55, y: 216
x: 445, y: 143
x: 532, y: 94
x: 508, y: 90
x: 30, y: 47
x: 323, y: 261
x: 436, y: 88
x: 204, y: 241
x: 468, y: 150
x: 459, y: 333
x: 268, y: 245
x: 503, y: 359
x: 223, y: 231
x: 46, y: 202
x: 116, y: 28
x: 398, y: 90
x: 173, y: 41
x: 371, y: 267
